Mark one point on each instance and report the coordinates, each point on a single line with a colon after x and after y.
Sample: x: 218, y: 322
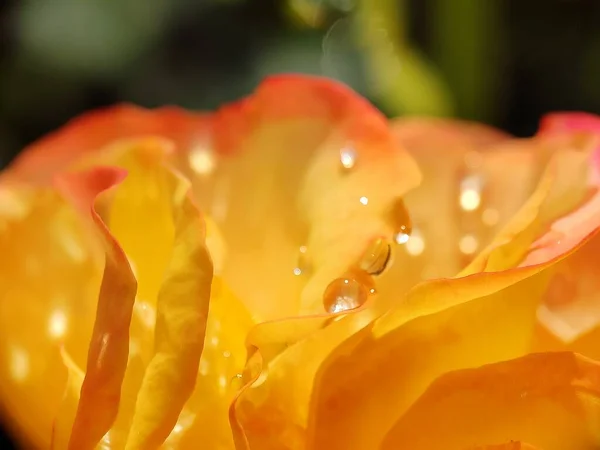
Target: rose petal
x: 551, y: 400
x: 221, y: 364
x: 441, y: 325
x: 50, y: 273
x: 273, y: 411
x: 63, y: 422
x: 182, y: 310
x: 94, y: 130
x: 291, y: 189
x: 535, y: 233
x: 456, y: 157
x: 109, y: 347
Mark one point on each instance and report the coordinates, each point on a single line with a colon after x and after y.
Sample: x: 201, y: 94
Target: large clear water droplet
x: 377, y: 256
x: 344, y: 294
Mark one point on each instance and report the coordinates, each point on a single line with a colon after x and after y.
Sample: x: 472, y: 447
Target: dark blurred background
x: 504, y: 62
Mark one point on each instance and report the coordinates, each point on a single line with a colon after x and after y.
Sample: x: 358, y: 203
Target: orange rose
x: 248, y: 279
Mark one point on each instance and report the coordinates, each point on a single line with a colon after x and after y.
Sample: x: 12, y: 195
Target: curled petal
x: 182, y: 310
x: 550, y: 400
x: 474, y: 178
x: 109, y: 347
x: 444, y: 325
x: 280, y: 151
x: 93, y: 131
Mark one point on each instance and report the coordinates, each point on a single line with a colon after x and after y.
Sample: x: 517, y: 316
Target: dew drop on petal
x: 401, y: 222
x: 377, y: 256
x: 303, y: 266
x: 347, y: 157
x: 344, y: 294
x: 236, y: 382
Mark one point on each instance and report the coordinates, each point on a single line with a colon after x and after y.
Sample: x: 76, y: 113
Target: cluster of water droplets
x: 352, y: 290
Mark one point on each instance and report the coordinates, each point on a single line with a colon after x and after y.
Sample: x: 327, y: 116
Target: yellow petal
x: 65, y: 417
x: 276, y: 184
x: 474, y: 179
x: 565, y: 185
x: 49, y: 274
x: 205, y: 416
x: 549, y: 400
x: 109, y: 347
x: 442, y: 325
x: 182, y: 310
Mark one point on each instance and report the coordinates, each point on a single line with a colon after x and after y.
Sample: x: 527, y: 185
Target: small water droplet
x: 401, y: 222
x: 303, y: 265
x: 236, y: 383
x: 348, y: 157
x: 344, y: 294
x: 364, y: 201
x: 377, y: 256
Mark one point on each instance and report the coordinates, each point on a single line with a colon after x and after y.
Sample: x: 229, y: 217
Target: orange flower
x: 251, y: 279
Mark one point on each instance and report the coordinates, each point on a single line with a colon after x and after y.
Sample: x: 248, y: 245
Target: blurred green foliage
x: 501, y: 61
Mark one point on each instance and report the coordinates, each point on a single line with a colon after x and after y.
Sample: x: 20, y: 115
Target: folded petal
x: 273, y: 179
x: 182, y: 310
x: 447, y: 324
x: 109, y: 346
x: 550, y: 400
x: 90, y: 132
x: 474, y: 179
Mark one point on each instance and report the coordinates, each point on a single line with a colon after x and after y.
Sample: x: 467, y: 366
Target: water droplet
x: 401, y: 222
x: 303, y: 264
x: 364, y: 201
x: 348, y: 157
x: 377, y: 256
x: 343, y: 294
